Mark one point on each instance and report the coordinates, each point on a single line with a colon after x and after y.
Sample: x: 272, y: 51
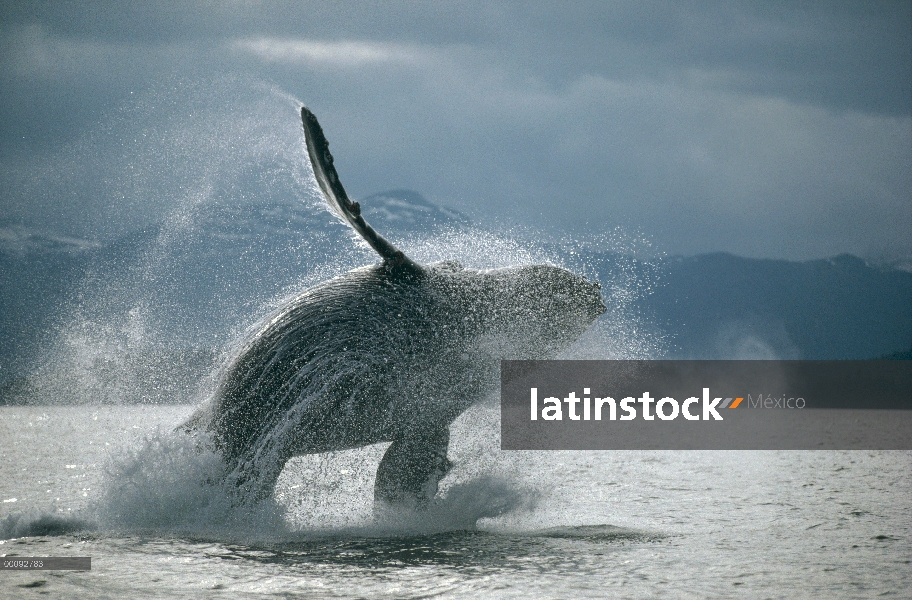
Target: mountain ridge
x: 195, y: 284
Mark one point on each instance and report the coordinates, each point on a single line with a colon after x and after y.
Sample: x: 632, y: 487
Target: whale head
x: 528, y: 312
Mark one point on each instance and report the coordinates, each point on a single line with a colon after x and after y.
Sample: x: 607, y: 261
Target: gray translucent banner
x: 706, y: 405
x: 46, y: 563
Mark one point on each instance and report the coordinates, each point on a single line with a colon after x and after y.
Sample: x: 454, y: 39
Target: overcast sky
x: 765, y: 129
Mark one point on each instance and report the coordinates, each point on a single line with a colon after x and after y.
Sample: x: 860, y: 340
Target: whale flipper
x: 411, y: 469
x: 350, y: 212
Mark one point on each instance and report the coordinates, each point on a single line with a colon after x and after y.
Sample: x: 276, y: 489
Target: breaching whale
x: 391, y: 352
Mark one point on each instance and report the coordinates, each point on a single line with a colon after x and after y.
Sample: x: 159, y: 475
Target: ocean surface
x: 113, y: 483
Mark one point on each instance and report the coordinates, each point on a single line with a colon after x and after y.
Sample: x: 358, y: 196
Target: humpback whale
x: 390, y: 352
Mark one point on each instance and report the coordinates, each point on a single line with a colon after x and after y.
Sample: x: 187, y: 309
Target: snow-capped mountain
x: 161, y: 302
x: 187, y: 283
x: 405, y: 210
x: 19, y: 240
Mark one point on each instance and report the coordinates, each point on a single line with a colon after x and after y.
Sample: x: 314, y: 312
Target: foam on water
x: 167, y: 484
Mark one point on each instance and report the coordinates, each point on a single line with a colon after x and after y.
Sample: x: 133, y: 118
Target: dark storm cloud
x: 759, y: 128
x: 852, y: 55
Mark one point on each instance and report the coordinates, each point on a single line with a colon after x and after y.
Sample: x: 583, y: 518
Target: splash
x: 243, y: 231
x: 239, y: 223
x: 168, y: 484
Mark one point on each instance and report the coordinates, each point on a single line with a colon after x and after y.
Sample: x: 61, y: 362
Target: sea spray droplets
x: 211, y: 175
x: 167, y: 484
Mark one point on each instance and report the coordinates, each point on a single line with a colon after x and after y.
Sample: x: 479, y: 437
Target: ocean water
x: 112, y: 483
x: 85, y: 471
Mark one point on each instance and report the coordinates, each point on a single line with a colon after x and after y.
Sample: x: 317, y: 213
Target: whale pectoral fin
x: 411, y: 469
x: 325, y: 173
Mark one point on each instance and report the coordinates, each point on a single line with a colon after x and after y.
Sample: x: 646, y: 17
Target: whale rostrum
x: 391, y: 352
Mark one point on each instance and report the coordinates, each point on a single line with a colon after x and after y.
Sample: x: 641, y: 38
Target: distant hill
x: 408, y: 211
x: 724, y: 306
x: 38, y: 270
x: 178, y: 289
x: 175, y: 294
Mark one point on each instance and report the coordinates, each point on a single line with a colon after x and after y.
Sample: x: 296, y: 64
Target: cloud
x: 761, y: 131
x: 353, y: 53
